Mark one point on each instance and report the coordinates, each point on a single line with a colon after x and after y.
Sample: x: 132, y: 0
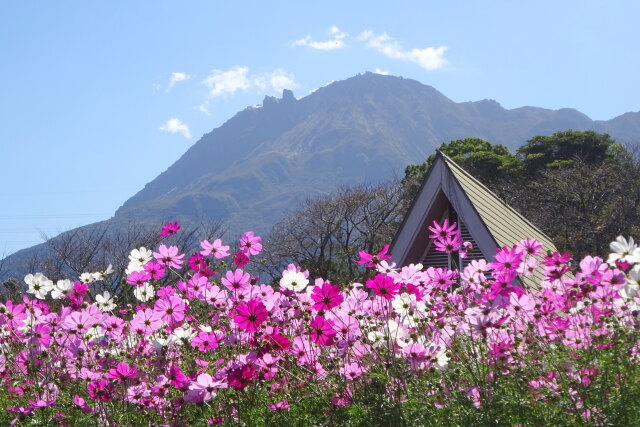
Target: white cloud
x: 337, y: 42
x: 175, y: 125
x: 429, y: 58
x: 204, y: 108
x: 280, y: 80
x: 223, y: 83
x: 382, y: 72
x: 177, y: 77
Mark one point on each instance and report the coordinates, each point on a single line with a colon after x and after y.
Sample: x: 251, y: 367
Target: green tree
x: 492, y: 164
x: 562, y: 148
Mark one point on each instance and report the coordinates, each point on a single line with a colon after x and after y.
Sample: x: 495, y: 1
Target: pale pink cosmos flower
x: 217, y: 249
x: 169, y: 256
x: 203, y: 389
x: 146, y: 322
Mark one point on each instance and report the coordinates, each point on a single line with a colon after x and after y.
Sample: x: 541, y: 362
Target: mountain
x: 367, y: 128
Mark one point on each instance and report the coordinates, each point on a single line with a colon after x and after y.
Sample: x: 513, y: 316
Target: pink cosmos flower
x: 82, y: 404
x: 326, y: 296
x: 278, y: 406
x: 77, y: 322
x: 170, y: 308
x: 442, y: 232
x: 250, y: 244
x: 14, y: 315
x: 441, y: 278
x: 237, y: 280
x: 373, y: 260
x: 449, y: 244
x: 506, y: 260
x: 155, y: 269
x: 205, y: 341
x: 177, y: 378
x: 383, y: 286
x: 465, y: 249
x: 170, y: 229
x: 351, y: 371
x: 168, y: 256
x: 122, y: 372
x: 217, y: 249
x: 138, y: 278
x: 529, y: 246
x: 322, y: 332
x: 251, y: 315
x: 146, y: 322
x: 165, y: 291
x: 40, y: 338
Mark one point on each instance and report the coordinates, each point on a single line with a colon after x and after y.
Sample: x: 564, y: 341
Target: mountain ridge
x: 265, y: 159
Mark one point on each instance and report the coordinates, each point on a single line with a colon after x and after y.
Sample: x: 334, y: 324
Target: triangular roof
x: 490, y: 221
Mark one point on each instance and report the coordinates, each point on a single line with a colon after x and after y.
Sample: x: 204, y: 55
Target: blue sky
x: 98, y: 98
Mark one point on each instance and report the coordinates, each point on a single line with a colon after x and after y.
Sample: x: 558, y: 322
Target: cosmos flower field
x: 206, y: 342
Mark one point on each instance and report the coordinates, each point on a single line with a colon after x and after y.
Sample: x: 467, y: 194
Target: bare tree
x: 584, y: 206
x: 325, y: 234
x: 92, y: 249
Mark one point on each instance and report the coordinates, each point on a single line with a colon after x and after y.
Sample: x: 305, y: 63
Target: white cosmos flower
x: 133, y: 266
x: 183, y: 334
x: 138, y: 258
x: 100, y: 275
x: 404, y: 303
x: 624, y: 250
x: 61, y: 288
x: 105, y: 301
x: 39, y: 285
x: 384, y: 267
x: 87, y: 278
x: 442, y: 360
x: 293, y: 281
x: 144, y: 293
x: 390, y: 335
x: 632, y: 288
x: 141, y: 255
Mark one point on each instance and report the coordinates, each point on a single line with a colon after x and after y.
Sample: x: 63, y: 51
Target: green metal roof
x: 504, y: 223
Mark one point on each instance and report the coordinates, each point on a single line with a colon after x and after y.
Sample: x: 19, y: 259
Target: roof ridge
x: 449, y: 162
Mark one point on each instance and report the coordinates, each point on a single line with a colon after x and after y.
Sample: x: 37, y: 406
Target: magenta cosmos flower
x: 322, y: 331
x: 251, y: 315
x: 444, y: 231
x: 373, y: 260
x: 326, y: 296
x: 168, y: 256
x: 122, y: 372
x: 170, y: 229
x: 383, y: 286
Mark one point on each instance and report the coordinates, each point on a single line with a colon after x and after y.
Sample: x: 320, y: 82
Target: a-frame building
x: 448, y: 191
